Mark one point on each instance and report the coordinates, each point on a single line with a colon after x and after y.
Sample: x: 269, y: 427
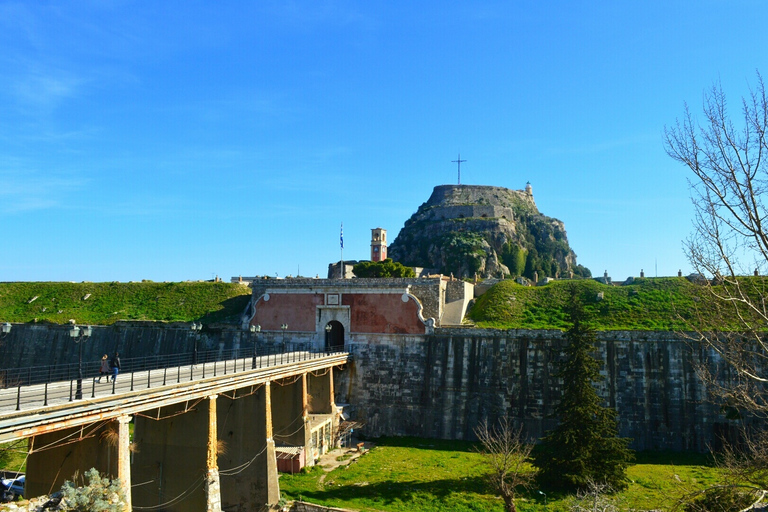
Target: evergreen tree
x: 585, y: 447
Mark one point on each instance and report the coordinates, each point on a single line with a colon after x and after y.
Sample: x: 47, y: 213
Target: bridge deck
x: 49, y: 407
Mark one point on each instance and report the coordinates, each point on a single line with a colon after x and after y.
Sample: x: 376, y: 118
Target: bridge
x: 189, y: 432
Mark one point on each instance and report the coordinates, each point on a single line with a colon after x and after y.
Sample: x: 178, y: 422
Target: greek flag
x: 341, y: 236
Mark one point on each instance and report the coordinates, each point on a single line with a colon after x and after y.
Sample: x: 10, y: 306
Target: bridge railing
x: 46, y: 384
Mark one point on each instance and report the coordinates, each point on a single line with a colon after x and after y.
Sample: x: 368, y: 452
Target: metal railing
x: 47, y: 385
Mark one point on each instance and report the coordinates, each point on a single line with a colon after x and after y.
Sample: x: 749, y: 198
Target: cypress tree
x: 585, y: 446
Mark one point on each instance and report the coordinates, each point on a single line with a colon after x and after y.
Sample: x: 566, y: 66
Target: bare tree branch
x: 506, y: 453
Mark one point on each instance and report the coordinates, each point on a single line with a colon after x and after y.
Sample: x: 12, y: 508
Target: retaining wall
x: 443, y: 385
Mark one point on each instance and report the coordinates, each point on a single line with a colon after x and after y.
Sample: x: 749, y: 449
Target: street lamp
x: 79, y: 336
x: 284, y: 327
x: 328, y: 330
x: 196, y: 328
x: 254, y: 329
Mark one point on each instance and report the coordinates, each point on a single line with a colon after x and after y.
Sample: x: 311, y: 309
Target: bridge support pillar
x: 212, y: 484
x: 124, y: 459
x: 55, y: 457
x: 290, y: 414
x: 171, y: 457
x: 320, y: 389
x: 247, y: 458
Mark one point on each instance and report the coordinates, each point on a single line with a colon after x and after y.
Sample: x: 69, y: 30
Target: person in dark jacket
x: 104, y: 368
x: 115, y: 364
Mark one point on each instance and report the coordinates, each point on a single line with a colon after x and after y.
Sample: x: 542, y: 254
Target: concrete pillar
x: 172, y: 449
x: 212, y: 485
x: 320, y: 389
x: 55, y: 457
x: 247, y: 460
x: 124, y: 458
x: 289, y: 412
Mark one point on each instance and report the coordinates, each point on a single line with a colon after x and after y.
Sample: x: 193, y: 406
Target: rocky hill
x: 468, y: 229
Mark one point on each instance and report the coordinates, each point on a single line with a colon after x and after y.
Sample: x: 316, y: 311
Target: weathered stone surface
x: 443, y: 385
x: 463, y: 229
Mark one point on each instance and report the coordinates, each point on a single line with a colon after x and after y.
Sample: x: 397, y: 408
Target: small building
x: 290, y: 459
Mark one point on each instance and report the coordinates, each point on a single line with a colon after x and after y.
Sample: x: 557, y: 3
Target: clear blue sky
x: 177, y: 140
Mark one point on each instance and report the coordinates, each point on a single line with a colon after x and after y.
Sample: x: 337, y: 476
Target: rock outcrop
x: 491, y: 231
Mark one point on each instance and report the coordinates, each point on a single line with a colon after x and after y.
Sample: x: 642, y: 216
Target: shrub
x: 100, y: 494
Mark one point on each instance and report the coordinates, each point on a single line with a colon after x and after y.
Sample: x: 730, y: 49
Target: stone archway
x: 334, y: 337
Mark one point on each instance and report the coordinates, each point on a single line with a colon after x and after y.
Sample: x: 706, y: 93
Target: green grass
x: 111, y: 302
x: 13, y: 456
x: 650, y: 304
x: 408, y: 474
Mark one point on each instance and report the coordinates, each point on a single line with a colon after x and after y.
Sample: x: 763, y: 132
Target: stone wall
x: 45, y: 345
x: 444, y: 384
x: 429, y: 291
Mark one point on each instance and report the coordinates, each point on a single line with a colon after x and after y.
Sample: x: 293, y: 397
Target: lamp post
x: 196, y: 328
x: 254, y: 329
x: 328, y: 330
x: 79, y: 336
x: 284, y: 327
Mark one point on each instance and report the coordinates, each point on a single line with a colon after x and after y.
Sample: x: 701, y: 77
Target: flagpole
x: 341, y: 243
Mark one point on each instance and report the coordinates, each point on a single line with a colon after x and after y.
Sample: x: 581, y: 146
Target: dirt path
x: 329, y: 461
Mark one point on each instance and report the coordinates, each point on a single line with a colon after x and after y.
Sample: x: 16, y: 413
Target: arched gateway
x: 334, y: 336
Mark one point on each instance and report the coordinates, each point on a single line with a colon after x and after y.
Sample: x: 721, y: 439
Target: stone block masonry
x: 444, y: 385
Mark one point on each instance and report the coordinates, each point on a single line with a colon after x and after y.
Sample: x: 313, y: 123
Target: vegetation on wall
x: 386, y: 268
x: 462, y: 252
x: 107, y: 303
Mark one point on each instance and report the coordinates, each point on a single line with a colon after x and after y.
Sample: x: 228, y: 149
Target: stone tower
x: 378, y: 244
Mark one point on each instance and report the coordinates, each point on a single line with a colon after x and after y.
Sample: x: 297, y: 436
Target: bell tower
x: 378, y: 244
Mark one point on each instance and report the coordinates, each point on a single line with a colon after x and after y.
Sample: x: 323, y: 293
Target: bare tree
x: 506, y: 453
x: 730, y: 241
x: 730, y: 237
x: 595, y: 498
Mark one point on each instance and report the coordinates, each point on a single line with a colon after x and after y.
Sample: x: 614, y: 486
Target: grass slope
x: 110, y: 302
x: 670, y: 303
x: 427, y: 475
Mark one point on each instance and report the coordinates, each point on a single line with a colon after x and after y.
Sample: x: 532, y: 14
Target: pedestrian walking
x: 115, y: 364
x: 104, y: 368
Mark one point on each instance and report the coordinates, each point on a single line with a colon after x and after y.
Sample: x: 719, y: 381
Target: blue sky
x: 181, y: 140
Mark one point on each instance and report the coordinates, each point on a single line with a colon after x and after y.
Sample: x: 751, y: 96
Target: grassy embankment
x: 111, y: 302
x: 426, y: 475
x: 648, y: 304
x: 651, y: 304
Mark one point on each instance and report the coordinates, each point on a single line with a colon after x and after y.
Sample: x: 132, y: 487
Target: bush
x: 386, y: 268
x: 721, y: 499
x: 100, y: 494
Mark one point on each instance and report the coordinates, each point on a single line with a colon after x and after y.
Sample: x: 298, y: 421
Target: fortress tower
x: 378, y: 244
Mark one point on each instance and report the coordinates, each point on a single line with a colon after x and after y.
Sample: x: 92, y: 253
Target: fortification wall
x: 470, y: 211
x: 45, y: 345
x: 444, y: 384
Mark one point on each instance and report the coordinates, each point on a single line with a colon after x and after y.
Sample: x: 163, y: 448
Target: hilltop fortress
x: 489, y: 231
